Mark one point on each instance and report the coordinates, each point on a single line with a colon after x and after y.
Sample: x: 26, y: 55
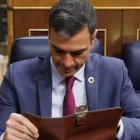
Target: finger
x: 18, y: 134
x: 8, y: 136
x: 10, y: 124
x: 22, y: 124
x: 23, y: 120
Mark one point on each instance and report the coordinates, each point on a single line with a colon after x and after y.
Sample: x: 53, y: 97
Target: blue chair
x: 131, y: 57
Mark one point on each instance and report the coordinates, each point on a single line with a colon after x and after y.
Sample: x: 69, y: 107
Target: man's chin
x: 67, y: 74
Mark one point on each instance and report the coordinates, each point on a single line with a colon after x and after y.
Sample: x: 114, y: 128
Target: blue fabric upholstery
x: 131, y: 57
x: 29, y: 47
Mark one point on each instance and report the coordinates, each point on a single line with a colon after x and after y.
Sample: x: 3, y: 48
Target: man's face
x: 70, y: 54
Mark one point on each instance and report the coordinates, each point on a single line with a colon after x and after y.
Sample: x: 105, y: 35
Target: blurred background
x: 3, y: 26
x: 3, y: 38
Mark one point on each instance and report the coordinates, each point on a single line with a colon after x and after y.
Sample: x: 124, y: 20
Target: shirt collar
x: 80, y: 74
x: 56, y: 77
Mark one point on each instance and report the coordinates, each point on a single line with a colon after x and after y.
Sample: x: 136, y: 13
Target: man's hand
x: 19, y: 127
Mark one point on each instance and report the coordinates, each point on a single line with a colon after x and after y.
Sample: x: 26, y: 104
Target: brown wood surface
x: 120, y: 19
x: 31, y: 3
x: 111, y: 20
x: 106, y: 3
x: 115, y: 3
x: 35, y: 20
x: 131, y: 23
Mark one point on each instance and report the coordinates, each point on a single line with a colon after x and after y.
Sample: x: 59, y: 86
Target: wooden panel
x: 130, y: 25
x: 35, y: 19
x: 38, y: 32
x: 96, y: 3
x: 115, y: 3
x: 32, y: 3
x: 106, y: 3
x: 111, y: 20
x: 131, y: 3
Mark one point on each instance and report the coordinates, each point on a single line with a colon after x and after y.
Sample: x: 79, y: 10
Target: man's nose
x: 68, y: 60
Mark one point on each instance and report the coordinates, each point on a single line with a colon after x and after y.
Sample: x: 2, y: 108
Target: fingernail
x: 36, y: 135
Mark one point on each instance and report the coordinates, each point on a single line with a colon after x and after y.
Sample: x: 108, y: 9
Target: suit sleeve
x: 8, y: 99
x: 131, y: 105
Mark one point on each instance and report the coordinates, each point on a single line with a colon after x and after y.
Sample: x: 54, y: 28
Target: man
x: 38, y: 85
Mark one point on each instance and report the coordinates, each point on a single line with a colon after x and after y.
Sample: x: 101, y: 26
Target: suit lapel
x: 91, y: 83
x: 45, y: 88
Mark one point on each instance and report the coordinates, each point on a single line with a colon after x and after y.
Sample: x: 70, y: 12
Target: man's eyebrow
x: 54, y: 46
x: 83, y: 49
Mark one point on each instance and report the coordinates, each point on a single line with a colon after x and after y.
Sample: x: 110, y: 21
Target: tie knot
x: 69, y: 82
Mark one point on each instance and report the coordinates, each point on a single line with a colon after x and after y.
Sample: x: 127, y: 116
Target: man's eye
x: 59, y: 51
x: 77, y: 53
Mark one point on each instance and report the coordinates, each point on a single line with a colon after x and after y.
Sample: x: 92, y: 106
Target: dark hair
x: 70, y: 16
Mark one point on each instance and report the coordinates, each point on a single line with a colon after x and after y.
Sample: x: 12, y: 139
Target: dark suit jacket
x: 27, y: 87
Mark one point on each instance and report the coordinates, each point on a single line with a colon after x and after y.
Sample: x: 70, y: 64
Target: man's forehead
x: 66, y: 35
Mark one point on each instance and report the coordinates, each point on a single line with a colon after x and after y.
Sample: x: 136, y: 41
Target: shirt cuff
x: 1, y: 137
x: 120, y: 132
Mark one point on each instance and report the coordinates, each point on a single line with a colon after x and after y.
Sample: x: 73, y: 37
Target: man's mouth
x: 67, y: 70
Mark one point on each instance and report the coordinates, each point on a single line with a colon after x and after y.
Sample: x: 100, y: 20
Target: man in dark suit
x: 38, y: 85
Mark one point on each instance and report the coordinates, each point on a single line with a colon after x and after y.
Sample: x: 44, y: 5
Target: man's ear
x: 93, y: 38
x: 49, y: 34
